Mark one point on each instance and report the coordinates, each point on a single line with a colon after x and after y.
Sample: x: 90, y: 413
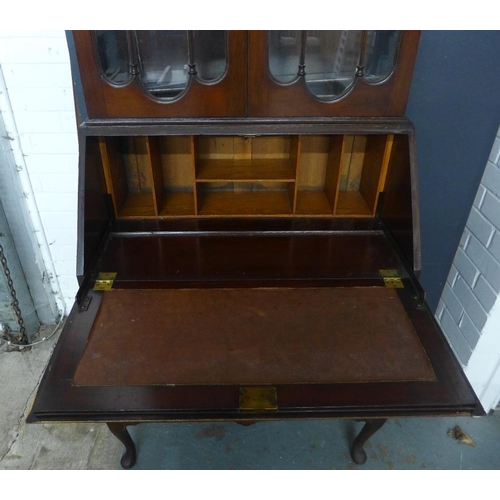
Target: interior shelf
x: 352, y: 204
x: 312, y: 203
x: 208, y: 176
x: 245, y: 203
x: 177, y: 203
x: 138, y: 205
x: 245, y: 170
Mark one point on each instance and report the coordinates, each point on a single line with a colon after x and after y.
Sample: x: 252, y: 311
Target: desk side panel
x: 399, y: 209
x: 94, y: 211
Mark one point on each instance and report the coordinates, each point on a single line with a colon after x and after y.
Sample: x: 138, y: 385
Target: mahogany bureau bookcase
x: 248, y: 241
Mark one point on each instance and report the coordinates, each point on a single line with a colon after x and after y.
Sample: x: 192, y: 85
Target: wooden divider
x: 178, y: 177
x: 318, y: 176
x: 116, y: 182
x: 128, y: 174
x: 363, y: 174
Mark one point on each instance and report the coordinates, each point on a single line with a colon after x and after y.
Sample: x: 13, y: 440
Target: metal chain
x: 15, y: 303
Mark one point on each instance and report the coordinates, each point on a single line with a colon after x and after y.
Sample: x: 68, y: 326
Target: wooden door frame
x: 225, y: 98
x: 268, y: 98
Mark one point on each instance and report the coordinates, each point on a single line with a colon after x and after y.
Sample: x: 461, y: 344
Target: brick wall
x: 36, y: 68
x: 469, y: 309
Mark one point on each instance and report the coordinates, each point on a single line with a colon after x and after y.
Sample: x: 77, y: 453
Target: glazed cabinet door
x: 162, y: 74
x: 330, y: 73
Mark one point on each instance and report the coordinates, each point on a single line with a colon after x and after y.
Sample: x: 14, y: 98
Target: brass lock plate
x: 258, y: 399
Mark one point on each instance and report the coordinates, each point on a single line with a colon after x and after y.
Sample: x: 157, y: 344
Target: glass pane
x: 284, y: 54
x: 163, y: 62
x: 210, y: 54
x: 381, y: 49
x: 331, y: 61
x: 112, y: 48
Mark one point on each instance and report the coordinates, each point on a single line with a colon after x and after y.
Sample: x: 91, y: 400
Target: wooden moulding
x: 210, y: 176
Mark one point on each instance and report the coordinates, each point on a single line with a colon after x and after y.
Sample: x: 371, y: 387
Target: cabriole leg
x: 370, y: 428
x: 119, y: 429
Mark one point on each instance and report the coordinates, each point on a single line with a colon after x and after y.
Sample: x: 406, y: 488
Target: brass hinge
x: 258, y: 399
x: 391, y: 278
x: 104, y: 282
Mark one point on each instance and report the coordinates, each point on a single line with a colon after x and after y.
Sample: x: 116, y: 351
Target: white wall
x: 36, y: 69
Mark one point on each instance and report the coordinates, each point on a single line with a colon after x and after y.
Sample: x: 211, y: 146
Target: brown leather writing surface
x: 252, y: 336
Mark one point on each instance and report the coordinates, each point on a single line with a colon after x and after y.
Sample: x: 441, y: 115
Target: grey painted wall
x: 455, y: 106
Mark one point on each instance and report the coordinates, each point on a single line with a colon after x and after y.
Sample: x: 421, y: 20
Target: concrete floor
x: 401, y: 444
